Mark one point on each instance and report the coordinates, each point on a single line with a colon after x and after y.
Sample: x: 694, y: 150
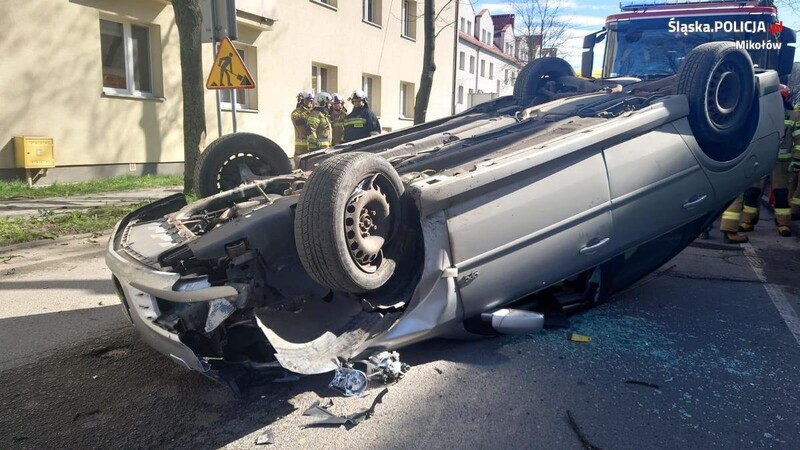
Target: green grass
x: 14, y: 230
x: 19, y: 189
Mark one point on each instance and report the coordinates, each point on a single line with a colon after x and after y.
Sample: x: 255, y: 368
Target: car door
x: 530, y: 230
x: 656, y: 185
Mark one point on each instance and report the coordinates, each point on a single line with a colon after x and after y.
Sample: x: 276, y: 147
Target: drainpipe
x: 455, y: 62
x: 477, y: 68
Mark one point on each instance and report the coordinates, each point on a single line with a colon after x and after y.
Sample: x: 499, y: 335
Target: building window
x: 469, y: 27
x: 332, y: 3
x: 506, y: 77
x: 323, y: 78
x: 461, y: 95
x: 463, y: 25
x: 372, y: 11
x: 483, y: 67
x: 371, y: 84
x: 244, y: 97
x: 491, y: 71
x: 406, y: 100
x: 126, y: 58
x: 461, y: 58
x: 471, y: 64
x: 408, y: 19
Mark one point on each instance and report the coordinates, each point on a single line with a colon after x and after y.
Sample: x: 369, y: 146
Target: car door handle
x: 591, y: 249
x: 694, y: 201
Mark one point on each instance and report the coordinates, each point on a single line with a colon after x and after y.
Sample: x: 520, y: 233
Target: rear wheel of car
x: 719, y: 83
x: 346, y: 220
x: 237, y: 158
x: 538, y: 72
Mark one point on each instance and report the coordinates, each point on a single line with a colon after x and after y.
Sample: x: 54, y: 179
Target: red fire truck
x: 650, y: 39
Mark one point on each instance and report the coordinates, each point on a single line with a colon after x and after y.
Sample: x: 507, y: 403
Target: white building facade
x: 104, y: 79
x: 486, y: 65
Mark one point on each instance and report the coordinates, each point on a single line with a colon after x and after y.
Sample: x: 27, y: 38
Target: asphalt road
x: 704, y: 353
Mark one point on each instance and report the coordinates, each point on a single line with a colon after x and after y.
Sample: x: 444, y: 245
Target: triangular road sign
x: 229, y: 71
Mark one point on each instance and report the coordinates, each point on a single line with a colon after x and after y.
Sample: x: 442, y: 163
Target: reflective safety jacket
x: 337, y: 123
x: 361, y: 123
x: 319, y: 129
x: 300, y: 123
x: 790, y: 145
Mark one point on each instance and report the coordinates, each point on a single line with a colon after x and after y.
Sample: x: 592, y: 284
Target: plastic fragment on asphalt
x: 577, y: 429
x: 265, y: 438
x: 575, y: 337
x: 330, y: 419
x: 642, y: 383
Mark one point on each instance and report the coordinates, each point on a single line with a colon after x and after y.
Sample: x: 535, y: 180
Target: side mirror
x: 589, y: 40
x: 587, y: 61
x: 786, y: 53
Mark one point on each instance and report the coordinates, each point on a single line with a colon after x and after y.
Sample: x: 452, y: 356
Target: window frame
x: 249, y: 97
x: 129, y: 60
x: 483, y: 68
x: 472, y: 64
x: 460, y: 98
x: 376, y: 8
x: 462, y: 56
x: 406, y: 111
x: 408, y: 21
x: 332, y: 4
x: 491, y: 71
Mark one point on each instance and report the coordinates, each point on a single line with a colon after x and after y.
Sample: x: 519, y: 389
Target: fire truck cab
x: 651, y: 39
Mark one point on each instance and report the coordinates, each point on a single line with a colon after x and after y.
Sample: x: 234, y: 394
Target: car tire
x: 719, y: 83
x: 217, y: 168
x: 345, y: 222
x: 536, y: 73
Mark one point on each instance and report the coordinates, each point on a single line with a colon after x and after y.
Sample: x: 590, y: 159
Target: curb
x: 102, y: 236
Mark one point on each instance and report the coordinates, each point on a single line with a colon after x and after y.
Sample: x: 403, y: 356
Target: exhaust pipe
x: 514, y: 321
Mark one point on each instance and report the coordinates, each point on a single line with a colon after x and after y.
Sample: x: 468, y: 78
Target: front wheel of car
x: 718, y: 81
x: 346, y: 220
x: 238, y: 158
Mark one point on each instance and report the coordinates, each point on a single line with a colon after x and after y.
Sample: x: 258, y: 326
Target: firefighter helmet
x: 337, y: 98
x: 323, y: 98
x: 305, y: 95
x: 358, y: 94
x: 786, y: 94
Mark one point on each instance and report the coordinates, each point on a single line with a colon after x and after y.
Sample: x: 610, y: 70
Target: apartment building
x: 102, y: 78
x: 486, y: 66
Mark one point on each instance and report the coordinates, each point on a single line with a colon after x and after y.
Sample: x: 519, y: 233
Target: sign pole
x: 233, y: 108
x: 214, y: 45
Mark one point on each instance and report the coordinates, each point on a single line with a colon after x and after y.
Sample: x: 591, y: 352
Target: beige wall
x: 51, y: 75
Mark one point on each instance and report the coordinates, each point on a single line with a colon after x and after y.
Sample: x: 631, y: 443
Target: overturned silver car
x: 571, y: 187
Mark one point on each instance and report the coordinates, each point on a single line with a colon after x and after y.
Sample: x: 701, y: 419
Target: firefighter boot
x: 732, y: 237
x: 750, y: 208
x: 783, y: 212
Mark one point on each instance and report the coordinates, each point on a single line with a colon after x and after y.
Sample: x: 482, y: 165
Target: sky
x: 588, y: 16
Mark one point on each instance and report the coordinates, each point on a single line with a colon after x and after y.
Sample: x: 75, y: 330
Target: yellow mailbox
x: 34, y: 152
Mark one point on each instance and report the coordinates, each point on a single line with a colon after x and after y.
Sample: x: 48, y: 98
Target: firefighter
x: 319, y: 124
x: 793, y: 165
x: 305, y: 102
x: 362, y: 122
x: 782, y: 171
x: 337, y: 113
x: 741, y: 215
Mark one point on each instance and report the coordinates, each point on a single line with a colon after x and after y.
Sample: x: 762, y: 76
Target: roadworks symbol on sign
x: 229, y: 71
